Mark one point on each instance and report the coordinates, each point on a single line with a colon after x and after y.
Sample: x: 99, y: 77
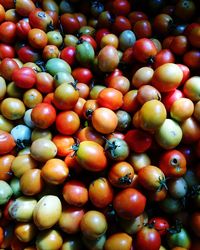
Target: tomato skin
x: 69, y: 23
x: 7, y: 32
x: 91, y: 156
x: 160, y: 224
x: 28, y: 54
x: 68, y: 55
x: 100, y: 192
x: 7, y: 142
x: 118, y: 241
x: 6, y: 51
x: 148, y: 238
x: 43, y: 115
x: 138, y: 140
x: 82, y: 74
x: 144, y: 50
x: 151, y: 177
x: 40, y: 19
x: 173, y: 163
x: 7, y: 67
x: 24, y: 77
x: 129, y: 203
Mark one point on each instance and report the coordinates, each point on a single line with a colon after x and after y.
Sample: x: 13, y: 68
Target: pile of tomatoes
x: 99, y: 125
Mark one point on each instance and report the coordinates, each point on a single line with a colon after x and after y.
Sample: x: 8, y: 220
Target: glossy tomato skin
x: 144, y: 50
x: 68, y: 55
x: 7, y: 32
x: 40, y: 19
x: 129, y: 203
x: 7, y: 142
x: 173, y: 163
x: 148, y: 238
x: 160, y: 224
x: 22, y: 27
x: 6, y: 51
x: 91, y: 156
x: 24, y: 77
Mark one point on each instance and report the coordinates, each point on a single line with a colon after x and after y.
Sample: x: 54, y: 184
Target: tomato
x: 70, y: 23
x: 191, y: 88
x: 8, y: 32
x: 68, y: 55
x: 142, y: 29
x: 138, y: 140
x: 65, y: 96
x: 6, y: 162
x: 40, y: 19
x: 110, y: 98
x: 89, y: 134
x: 177, y: 187
x: 28, y: 54
x: 120, y: 24
x: 162, y: 57
x: 70, y: 219
x: 179, y: 237
x: 162, y: 23
x: 44, y: 82
x: 63, y: 144
x: 170, y: 97
x: 82, y: 74
x: 191, y: 130
x: 117, y: 149
x: 195, y: 222
x: 67, y: 122
x: 6, y: 51
x: 31, y: 182
x: 24, y: 77
x: 93, y: 224
x: 108, y: 58
x: 130, y: 102
x: 160, y: 224
x: 47, y: 238
x: 54, y: 171
x: 37, y: 38
x: 151, y: 177
x: 12, y: 108
x: 91, y: 156
x: 149, y: 238
x: 191, y: 59
x: 129, y: 203
x: 121, y: 174
x: 118, y: 241
x: 167, y: 77
x: 100, y: 192
x: 144, y: 50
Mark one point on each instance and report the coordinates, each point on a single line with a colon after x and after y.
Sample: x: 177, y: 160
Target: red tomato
x: 82, y: 75
x: 67, y: 122
x: 8, y: 32
x: 70, y: 23
x: 148, y: 238
x: 121, y: 7
x: 144, y: 50
x: 43, y: 115
x: 6, y: 51
x: 173, y: 163
x: 23, y: 27
x: 68, y: 55
x: 129, y: 203
x: 138, y: 140
x: 40, y: 19
x: 163, y: 56
x: 63, y: 143
x: 24, y: 77
x: 160, y: 224
x: 169, y: 98
x: 7, y: 67
x: 7, y: 142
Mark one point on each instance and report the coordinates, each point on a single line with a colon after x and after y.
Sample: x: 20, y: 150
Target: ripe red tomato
x: 6, y: 51
x: 129, y: 203
x: 68, y: 55
x: 23, y: 27
x: 40, y: 19
x: 144, y: 50
x: 8, y: 32
x: 160, y: 224
x: 148, y: 238
x: 82, y: 74
x: 70, y: 23
x: 24, y: 77
x: 43, y: 115
x: 7, y: 66
x: 173, y: 163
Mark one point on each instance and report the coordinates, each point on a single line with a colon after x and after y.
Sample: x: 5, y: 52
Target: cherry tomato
x: 160, y: 224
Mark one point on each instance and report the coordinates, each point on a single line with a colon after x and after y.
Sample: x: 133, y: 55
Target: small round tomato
x: 63, y: 144
x: 6, y: 51
x: 144, y: 50
x: 121, y: 174
x: 40, y: 19
x: 173, y: 163
x: 160, y: 224
x: 67, y: 122
x: 151, y: 177
x: 129, y: 203
x: 7, y: 142
x: 104, y: 120
x: 82, y: 74
x: 148, y: 238
x: 100, y: 192
x: 121, y: 241
x: 37, y: 38
x: 43, y: 115
x: 75, y: 193
x: 24, y: 77
x: 8, y: 32
x: 70, y: 23
x: 68, y: 54
x: 91, y: 156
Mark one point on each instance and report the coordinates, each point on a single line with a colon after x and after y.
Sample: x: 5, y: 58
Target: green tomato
x: 179, y: 239
x: 55, y: 65
x: 126, y: 39
x: 15, y: 185
x: 85, y: 54
x: 117, y: 149
x: 5, y: 192
x: 169, y: 134
x: 62, y: 77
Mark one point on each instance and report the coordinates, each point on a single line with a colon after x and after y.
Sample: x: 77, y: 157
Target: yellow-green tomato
x: 22, y: 208
x: 47, y: 212
x: 5, y: 192
x: 49, y: 239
